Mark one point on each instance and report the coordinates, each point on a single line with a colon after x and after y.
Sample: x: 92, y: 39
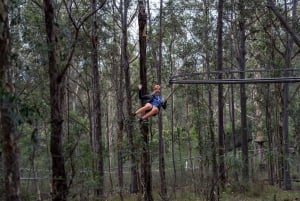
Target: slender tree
x: 145, y: 161
x: 57, y: 78
x: 8, y: 127
x: 118, y: 85
x: 163, y: 184
x: 243, y: 97
x: 285, y: 124
x: 96, y: 106
x: 211, y: 124
x: 221, y: 132
x: 125, y: 65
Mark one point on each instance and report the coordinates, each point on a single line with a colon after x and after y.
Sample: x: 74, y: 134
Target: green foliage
x: 256, y: 192
x: 238, y: 192
x: 17, y: 111
x: 234, y: 163
x: 189, y: 45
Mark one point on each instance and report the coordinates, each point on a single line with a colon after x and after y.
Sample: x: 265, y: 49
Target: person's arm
x: 164, y: 105
x: 144, y: 97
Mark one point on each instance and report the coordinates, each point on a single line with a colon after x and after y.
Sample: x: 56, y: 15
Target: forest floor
x: 257, y: 192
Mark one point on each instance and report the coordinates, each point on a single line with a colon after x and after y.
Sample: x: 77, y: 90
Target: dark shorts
x: 152, y: 108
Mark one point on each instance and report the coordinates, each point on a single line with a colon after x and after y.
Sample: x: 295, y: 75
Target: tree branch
x: 77, y: 28
x: 272, y: 7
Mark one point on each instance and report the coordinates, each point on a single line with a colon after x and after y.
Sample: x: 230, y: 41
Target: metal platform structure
x: 254, y: 76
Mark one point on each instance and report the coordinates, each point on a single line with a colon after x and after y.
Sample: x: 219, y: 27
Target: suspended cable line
x: 252, y: 76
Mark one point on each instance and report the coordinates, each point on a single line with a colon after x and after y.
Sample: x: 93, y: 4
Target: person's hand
x: 164, y: 104
x: 140, y: 86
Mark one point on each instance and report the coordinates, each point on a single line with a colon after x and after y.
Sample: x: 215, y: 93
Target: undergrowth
x: 234, y: 192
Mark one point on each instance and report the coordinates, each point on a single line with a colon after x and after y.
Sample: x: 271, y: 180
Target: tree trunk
x: 120, y: 131
x: 214, y: 176
x: 188, y: 133
x: 162, y: 173
x: 145, y: 162
x: 243, y: 100
x: 8, y: 135
x: 279, y: 138
x: 125, y: 66
x: 118, y: 75
x: 270, y: 138
x: 172, y: 106
x: 288, y: 57
x: 109, y: 137
x: 221, y: 132
x: 211, y: 125
x: 233, y: 103
x: 96, y: 106
x: 211, y: 134
x: 57, y: 104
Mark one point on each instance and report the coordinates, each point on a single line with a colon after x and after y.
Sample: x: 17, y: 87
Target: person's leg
x: 147, y: 107
x: 154, y: 111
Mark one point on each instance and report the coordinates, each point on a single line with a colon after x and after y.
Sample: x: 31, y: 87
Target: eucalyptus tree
x: 208, y: 21
x: 8, y: 125
x: 219, y: 61
x: 187, y: 51
x: 162, y: 173
x: 118, y: 83
x: 96, y: 93
x: 243, y: 98
x: 127, y: 21
x: 172, y: 32
x: 146, y: 160
x: 283, y: 54
x: 285, y: 102
x: 57, y: 76
x: 57, y: 101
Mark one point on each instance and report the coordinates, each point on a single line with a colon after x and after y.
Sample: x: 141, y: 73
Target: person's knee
x: 148, y: 106
x: 154, y: 111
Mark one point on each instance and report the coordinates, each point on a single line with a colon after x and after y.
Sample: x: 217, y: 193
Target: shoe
x: 143, y: 121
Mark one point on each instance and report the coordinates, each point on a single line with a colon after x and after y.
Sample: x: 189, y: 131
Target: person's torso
x: 157, y: 101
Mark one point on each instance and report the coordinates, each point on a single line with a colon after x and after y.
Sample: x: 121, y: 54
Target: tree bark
x: 8, y: 135
x: 211, y: 134
x: 125, y: 65
x: 243, y: 100
x: 145, y: 161
x: 221, y: 132
x: 57, y: 104
x: 270, y: 136
x: 162, y: 173
x: 96, y: 106
x: 172, y: 106
x: 288, y: 57
x: 118, y: 77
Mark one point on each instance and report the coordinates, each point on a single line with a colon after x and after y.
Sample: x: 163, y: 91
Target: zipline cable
x: 170, y: 94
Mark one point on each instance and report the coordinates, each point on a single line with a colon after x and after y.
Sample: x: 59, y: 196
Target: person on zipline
x: 154, y: 104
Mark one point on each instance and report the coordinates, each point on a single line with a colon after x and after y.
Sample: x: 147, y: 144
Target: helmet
x: 156, y: 87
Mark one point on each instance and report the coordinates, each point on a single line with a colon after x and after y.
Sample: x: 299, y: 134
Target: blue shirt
x: 156, y: 101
